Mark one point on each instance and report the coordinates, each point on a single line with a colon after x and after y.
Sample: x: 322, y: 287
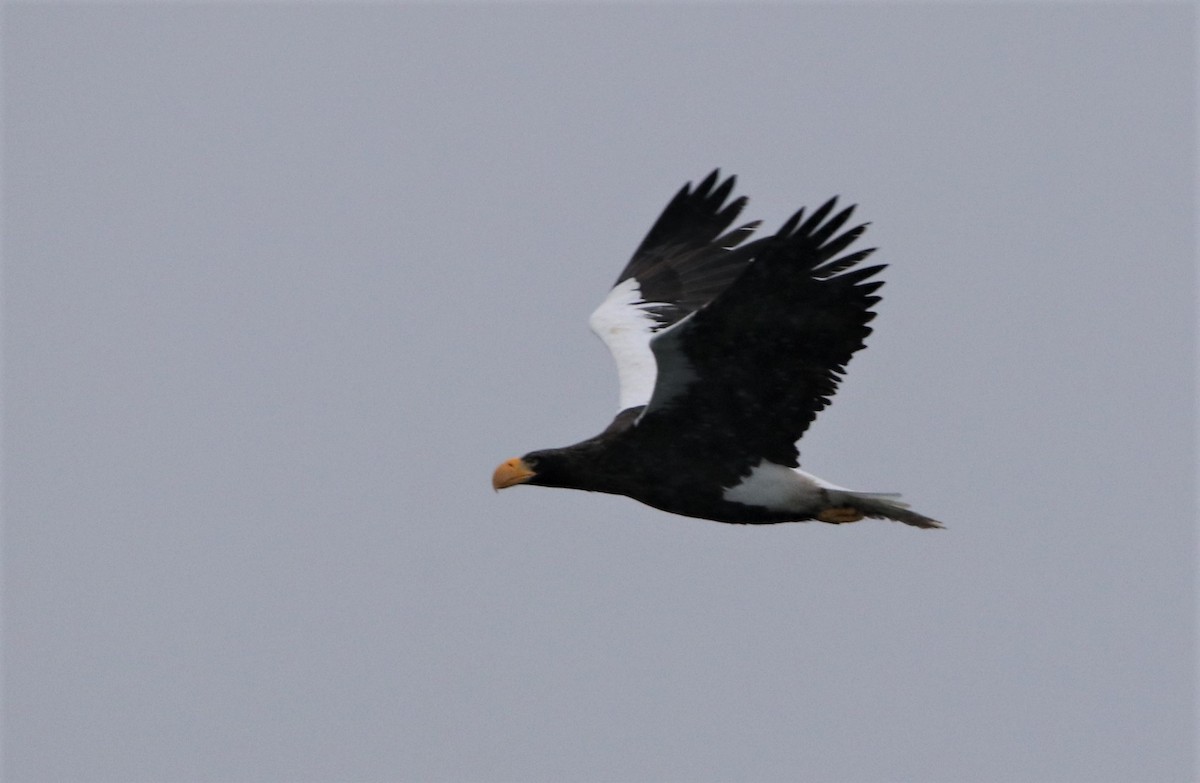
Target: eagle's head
x: 549, y: 468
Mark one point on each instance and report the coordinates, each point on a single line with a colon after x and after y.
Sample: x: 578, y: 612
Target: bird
x: 726, y: 349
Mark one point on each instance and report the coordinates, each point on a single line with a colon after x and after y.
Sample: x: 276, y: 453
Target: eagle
x: 726, y: 351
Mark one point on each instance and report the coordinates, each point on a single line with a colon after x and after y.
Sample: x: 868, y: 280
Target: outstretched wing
x: 681, y: 265
x: 747, y: 374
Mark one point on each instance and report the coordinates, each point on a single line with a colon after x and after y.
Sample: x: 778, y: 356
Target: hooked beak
x: 510, y: 472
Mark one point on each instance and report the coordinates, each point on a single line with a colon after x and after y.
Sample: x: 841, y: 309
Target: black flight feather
x: 766, y: 355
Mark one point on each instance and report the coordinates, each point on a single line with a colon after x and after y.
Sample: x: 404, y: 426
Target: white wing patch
x: 622, y: 322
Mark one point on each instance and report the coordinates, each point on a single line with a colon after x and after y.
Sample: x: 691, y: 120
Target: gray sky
x: 283, y: 283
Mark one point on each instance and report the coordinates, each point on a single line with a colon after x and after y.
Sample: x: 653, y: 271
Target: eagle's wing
x: 681, y: 265
x: 745, y: 375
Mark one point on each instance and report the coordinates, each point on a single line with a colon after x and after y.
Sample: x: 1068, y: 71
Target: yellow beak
x: 510, y: 472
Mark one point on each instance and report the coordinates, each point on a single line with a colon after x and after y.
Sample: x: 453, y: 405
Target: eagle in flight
x: 726, y: 350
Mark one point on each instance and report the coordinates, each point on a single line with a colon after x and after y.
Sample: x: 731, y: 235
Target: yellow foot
x: 838, y: 515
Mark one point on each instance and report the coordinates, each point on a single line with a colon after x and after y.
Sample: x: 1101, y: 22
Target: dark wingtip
x: 789, y: 225
x: 708, y: 182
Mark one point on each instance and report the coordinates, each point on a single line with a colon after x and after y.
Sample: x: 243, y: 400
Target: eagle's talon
x: 839, y: 515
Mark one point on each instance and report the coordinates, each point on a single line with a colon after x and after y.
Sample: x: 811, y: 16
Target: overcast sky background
x: 283, y: 283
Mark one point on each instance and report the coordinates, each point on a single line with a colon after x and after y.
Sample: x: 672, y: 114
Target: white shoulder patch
x: 622, y: 322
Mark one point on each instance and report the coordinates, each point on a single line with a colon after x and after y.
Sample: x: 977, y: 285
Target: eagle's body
x: 725, y: 353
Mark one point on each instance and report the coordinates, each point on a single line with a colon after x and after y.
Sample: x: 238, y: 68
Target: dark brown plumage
x: 726, y: 351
